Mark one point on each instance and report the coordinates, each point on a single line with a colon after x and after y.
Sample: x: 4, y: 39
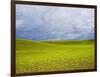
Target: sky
x: 37, y: 22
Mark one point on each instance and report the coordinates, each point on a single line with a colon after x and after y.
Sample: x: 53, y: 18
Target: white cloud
x: 57, y: 22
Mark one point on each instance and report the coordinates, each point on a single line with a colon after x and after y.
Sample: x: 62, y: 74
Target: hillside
x: 41, y: 56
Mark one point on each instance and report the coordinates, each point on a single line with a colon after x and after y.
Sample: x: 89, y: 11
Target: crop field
x: 46, y: 56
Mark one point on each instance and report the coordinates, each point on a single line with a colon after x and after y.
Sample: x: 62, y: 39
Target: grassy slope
x: 39, y: 56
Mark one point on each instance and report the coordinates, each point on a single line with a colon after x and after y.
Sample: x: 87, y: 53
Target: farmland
x: 47, y: 56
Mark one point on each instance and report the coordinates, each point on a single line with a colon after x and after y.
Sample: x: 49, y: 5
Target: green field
x: 45, y: 56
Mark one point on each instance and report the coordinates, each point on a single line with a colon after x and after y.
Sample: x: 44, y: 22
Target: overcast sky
x: 54, y: 23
